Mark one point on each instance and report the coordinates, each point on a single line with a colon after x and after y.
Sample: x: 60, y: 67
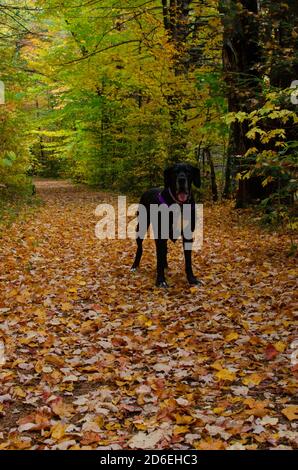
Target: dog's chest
x: 179, y: 225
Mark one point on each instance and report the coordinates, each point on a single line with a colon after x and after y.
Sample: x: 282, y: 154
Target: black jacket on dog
x: 176, y: 195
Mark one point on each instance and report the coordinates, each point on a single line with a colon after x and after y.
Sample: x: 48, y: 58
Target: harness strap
x: 161, y: 199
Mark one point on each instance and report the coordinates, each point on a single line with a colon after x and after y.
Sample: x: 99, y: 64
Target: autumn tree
x: 124, y: 87
x: 258, y: 39
x: 15, y: 158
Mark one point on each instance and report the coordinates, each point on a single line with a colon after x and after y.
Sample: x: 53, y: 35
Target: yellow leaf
x: 144, y: 320
x: 120, y: 383
x: 99, y: 420
x: 219, y: 410
x: 201, y: 359
x: 291, y: 412
x: 226, y: 374
x: 41, y: 315
x: 113, y: 426
x: 58, y: 431
x: 55, y: 360
x: 140, y: 426
x: 253, y: 379
x: 216, y: 365
x: 280, y: 346
x: 38, y: 366
x: 180, y: 430
x: 257, y: 408
x: 19, y: 392
x: 66, y: 306
x: 21, y: 445
x: 193, y: 290
x: 232, y: 336
x: 183, y: 419
x: 268, y: 331
x: 4, y: 445
x: 65, y: 386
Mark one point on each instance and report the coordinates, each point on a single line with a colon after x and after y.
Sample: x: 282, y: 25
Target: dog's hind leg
x: 141, y: 231
x: 187, y: 245
x: 139, y: 253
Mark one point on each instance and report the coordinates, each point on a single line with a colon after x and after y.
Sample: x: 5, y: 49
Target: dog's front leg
x: 165, y: 256
x: 187, y: 248
x: 161, y: 253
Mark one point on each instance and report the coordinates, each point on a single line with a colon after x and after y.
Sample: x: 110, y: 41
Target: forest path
x: 96, y: 356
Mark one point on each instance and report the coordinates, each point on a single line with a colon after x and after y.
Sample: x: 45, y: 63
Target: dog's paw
x: 133, y: 269
x: 193, y: 281
x: 162, y: 284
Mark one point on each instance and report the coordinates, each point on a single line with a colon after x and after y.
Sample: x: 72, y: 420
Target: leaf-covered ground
x: 96, y: 357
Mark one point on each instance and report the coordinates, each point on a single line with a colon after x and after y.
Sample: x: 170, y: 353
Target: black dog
x: 177, y: 191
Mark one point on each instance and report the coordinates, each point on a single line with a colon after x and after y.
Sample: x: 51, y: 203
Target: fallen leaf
x: 145, y: 441
x: 253, y: 379
x: 291, y: 412
x: 58, y: 431
x: 270, y: 352
x: 231, y: 336
x: 210, y: 445
x: 225, y: 374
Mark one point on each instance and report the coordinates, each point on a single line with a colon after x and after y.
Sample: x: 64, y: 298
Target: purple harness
x: 161, y: 199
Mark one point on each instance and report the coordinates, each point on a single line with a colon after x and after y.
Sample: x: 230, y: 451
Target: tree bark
x: 176, y: 23
x: 242, y: 73
x: 212, y: 174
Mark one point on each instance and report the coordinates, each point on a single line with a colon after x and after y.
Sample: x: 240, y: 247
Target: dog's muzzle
x: 182, y: 191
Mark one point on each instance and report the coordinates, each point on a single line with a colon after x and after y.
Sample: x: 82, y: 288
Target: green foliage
x: 271, y: 156
x: 108, y: 93
x: 113, y: 109
x: 15, y: 159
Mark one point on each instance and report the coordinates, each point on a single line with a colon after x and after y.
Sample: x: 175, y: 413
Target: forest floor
x: 97, y: 357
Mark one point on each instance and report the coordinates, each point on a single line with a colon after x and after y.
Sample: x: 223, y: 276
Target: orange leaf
x: 291, y: 412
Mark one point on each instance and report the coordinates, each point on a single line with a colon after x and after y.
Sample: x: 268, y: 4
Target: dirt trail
x: 96, y: 356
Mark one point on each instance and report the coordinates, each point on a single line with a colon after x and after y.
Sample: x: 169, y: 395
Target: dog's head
x: 179, y: 178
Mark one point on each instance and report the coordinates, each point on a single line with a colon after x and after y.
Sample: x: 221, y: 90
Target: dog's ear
x: 196, y: 176
x: 167, y: 174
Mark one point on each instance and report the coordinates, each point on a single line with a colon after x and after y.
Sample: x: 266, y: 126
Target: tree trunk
x: 212, y: 174
x: 241, y: 64
x: 248, y: 39
x: 176, y: 23
x: 282, y: 31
